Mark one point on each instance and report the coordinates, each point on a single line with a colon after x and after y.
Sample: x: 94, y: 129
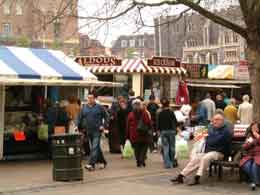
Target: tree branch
x: 204, y: 12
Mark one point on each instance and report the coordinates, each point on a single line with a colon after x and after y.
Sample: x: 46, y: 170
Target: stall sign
x: 99, y: 60
x: 220, y: 71
x: 163, y: 61
x: 196, y: 71
x: 241, y: 71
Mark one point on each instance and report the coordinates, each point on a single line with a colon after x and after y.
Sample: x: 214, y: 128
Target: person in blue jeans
x: 92, y: 120
x: 167, y: 127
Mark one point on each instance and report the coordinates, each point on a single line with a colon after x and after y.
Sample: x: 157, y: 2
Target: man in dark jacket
x: 218, y: 144
x: 92, y: 120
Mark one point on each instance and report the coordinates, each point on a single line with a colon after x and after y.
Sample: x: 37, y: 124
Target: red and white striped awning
x: 135, y: 66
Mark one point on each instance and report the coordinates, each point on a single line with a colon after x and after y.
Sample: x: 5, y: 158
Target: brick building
x: 196, y: 39
x: 42, y: 23
x: 134, y: 46
x: 92, y: 47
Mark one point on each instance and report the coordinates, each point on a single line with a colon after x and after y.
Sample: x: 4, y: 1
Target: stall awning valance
x: 135, y: 66
x: 40, y: 64
x: 213, y: 85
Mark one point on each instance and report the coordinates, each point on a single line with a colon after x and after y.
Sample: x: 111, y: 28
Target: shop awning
x: 57, y: 82
x: 135, y: 66
x: 40, y: 64
x: 213, y: 85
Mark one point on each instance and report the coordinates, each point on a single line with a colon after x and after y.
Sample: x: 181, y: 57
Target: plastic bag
x: 198, y: 147
x: 43, y: 132
x: 182, y: 149
x: 128, y: 151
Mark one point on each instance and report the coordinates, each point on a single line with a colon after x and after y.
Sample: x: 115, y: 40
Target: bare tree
x: 250, y: 30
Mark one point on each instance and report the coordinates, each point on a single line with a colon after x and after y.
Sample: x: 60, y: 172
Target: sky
x: 108, y: 32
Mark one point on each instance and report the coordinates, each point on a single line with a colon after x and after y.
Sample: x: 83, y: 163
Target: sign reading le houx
x: 98, y: 60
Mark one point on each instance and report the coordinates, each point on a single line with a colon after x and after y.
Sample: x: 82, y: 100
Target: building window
x: 176, y: 28
x: 123, y: 43
x: 230, y: 54
x: 227, y: 40
x: 214, y: 58
x: 18, y: 8
x: 190, y: 27
x: 57, y: 28
x: 132, y: 43
x: 6, y: 29
x: 235, y: 38
x: 191, y: 43
x: 70, y: 6
x: 190, y: 59
x: 141, y: 42
x: 7, y: 7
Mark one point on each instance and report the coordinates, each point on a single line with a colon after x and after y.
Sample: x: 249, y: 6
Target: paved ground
x: 121, y: 177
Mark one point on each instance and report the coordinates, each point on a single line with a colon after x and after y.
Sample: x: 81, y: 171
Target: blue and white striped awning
x: 40, y: 64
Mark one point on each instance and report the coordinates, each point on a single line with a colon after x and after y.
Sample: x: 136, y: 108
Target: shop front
x: 157, y: 75
x: 27, y: 78
x: 215, y: 79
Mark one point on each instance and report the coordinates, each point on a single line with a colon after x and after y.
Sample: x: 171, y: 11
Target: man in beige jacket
x: 245, y: 111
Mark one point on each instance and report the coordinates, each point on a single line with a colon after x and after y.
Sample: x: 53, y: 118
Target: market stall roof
x: 214, y: 81
x: 57, y: 82
x: 135, y: 66
x: 43, y: 64
x: 213, y: 85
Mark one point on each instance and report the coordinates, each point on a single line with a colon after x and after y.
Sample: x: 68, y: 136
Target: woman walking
x: 122, y: 114
x: 167, y: 125
x: 139, y: 131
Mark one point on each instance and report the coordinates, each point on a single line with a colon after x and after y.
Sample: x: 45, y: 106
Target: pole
x: 2, y: 120
x: 45, y: 92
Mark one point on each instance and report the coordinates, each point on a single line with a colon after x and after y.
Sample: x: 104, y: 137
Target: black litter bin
x: 66, y: 154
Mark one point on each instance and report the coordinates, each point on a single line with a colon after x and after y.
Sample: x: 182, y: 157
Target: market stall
x: 204, y: 78
x: 25, y: 77
x: 158, y: 74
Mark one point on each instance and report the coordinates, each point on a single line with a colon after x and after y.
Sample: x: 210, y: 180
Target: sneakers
x: 253, y: 186
x: 89, y: 167
x: 178, y: 179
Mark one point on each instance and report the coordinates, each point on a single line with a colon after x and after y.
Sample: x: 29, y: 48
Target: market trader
x: 92, y: 120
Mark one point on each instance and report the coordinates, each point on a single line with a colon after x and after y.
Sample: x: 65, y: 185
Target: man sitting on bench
x: 218, y: 143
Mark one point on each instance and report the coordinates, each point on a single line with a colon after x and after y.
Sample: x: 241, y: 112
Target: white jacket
x: 245, y: 113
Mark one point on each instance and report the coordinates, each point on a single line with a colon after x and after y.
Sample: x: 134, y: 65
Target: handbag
x: 142, y: 128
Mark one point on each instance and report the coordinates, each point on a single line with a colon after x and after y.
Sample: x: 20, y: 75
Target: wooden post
x: 2, y: 120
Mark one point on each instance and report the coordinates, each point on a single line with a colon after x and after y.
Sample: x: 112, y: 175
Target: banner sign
x: 98, y: 60
x: 196, y: 71
x: 241, y: 71
x: 164, y: 61
x: 220, y: 71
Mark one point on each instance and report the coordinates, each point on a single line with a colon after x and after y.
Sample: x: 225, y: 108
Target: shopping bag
x: 59, y: 130
x: 42, y: 132
x: 198, y: 147
x: 19, y: 135
x: 182, y: 149
x: 128, y: 151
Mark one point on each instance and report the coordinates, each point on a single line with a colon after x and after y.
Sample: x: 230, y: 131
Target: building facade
x: 42, y: 23
x: 196, y: 39
x: 134, y: 46
x: 92, y: 47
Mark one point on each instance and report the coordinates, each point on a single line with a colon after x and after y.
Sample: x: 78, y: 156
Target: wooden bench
x: 234, y: 164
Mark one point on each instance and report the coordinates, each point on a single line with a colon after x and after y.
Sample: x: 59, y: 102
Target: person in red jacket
x: 139, y: 131
x: 250, y: 163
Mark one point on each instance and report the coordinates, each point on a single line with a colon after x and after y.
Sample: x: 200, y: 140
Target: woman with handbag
x: 139, y: 132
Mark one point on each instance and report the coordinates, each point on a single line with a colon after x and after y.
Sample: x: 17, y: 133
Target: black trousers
x: 140, y: 152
